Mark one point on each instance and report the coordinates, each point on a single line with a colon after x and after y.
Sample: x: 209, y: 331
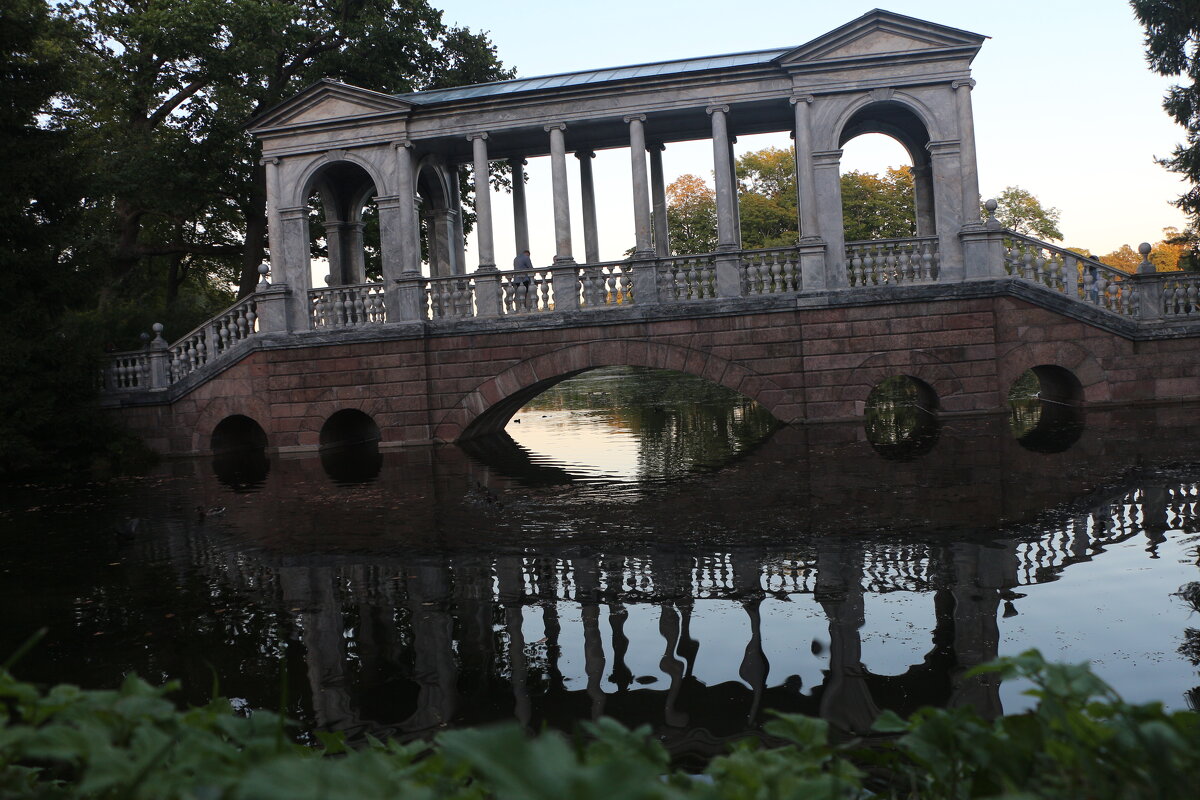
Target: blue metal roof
x: 591, y: 76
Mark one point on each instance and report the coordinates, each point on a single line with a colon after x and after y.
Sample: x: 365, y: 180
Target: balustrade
x: 1070, y: 273
x: 344, y: 306
x: 1178, y: 292
x: 188, y: 354
x: 687, y: 278
x: 769, y: 271
x: 127, y: 371
x: 450, y: 298
x: 605, y: 284
x: 237, y: 324
x: 892, y: 261
x: 526, y: 291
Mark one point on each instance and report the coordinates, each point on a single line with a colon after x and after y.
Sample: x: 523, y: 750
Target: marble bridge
x: 433, y: 352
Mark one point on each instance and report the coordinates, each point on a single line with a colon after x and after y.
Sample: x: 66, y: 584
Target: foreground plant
x: 1081, y: 741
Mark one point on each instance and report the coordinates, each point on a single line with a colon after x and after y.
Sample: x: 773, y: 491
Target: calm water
x: 642, y: 548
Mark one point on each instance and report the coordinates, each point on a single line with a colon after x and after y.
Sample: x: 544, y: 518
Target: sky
x: 1065, y: 105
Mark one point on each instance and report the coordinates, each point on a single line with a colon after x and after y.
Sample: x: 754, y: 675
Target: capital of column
x: 631, y: 117
x: 722, y: 107
x: 801, y: 98
x: 402, y: 144
x: 967, y: 82
x: 656, y: 147
x: 555, y: 126
x: 949, y: 147
x: 826, y: 158
x: 584, y: 154
x: 473, y: 136
x: 269, y: 160
x: 518, y: 162
x: 299, y: 212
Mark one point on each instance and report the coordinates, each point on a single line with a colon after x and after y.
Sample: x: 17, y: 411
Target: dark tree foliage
x: 1173, y: 49
x: 133, y: 193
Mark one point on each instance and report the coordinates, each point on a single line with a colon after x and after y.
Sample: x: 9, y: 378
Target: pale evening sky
x: 1065, y: 105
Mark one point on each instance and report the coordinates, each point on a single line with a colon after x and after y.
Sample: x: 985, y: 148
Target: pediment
x: 328, y: 101
x: 879, y: 34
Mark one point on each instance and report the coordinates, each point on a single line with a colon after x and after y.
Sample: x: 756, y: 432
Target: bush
x: 1082, y: 741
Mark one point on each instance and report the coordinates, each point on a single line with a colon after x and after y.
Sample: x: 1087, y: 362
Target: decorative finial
x: 264, y: 269
x: 991, y: 222
x: 158, y: 331
x: 1145, y: 267
x: 329, y: 280
x: 145, y: 337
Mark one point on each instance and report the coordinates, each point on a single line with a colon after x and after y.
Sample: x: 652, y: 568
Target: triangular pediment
x: 328, y: 101
x: 879, y: 34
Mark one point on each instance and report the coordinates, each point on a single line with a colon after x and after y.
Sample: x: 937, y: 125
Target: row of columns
x: 818, y: 181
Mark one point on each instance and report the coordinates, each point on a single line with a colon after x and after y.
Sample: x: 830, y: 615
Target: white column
x: 562, y: 206
x: 460, y: 240
x: 591, y: 239
x: 945, y: 158
x: 643, y: 246
x: 658, y: 201
x: 483, y: 203
x: 827, y: 186
x: 520, y: 212
x: 805, y: 182
x: 401, y: 235
x: 722, y: 171
x: 968, y: 164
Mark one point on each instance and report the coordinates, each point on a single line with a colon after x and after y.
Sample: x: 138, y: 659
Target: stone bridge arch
x: 1074, y: 357
x: 488, y: 407
x: 923, y: 365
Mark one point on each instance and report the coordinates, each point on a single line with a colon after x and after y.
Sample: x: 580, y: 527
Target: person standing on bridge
x: 523, y: 261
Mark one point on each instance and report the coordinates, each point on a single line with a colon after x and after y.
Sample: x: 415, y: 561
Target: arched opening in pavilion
x: 343, y: 224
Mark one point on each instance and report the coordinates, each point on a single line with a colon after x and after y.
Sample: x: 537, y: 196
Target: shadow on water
x: 822, y: 570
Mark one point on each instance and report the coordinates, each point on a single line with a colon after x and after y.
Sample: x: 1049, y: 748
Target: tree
x: 1164, y: 255
x: 1020, y: 211
x: 691, y: 215
x: 878, y: 206
x: 165, y: 89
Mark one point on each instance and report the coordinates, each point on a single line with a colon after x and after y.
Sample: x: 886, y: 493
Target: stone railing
x: 608, y: 283
x: 126, y: 371
x: 160, y: 364
x: 893, y: 261
x: 1071, y: 273
x: 342, y: 306
x: 773, y: 271
x: 449, y: 298
x: 687, y: 278
x: 526, y: 291
x: 1169, y: 296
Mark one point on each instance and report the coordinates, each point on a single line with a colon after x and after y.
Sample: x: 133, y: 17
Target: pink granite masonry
x: 802, y: 365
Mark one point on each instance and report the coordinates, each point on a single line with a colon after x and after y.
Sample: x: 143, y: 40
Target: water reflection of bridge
x: 404, y: 643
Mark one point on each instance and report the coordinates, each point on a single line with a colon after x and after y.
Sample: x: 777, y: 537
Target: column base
x: 563, y: 260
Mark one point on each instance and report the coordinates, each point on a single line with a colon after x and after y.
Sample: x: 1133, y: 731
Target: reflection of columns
x: 923, y: 198
x: 658, y: 201
x: 587, y: 583
x: 846, y: 702
x: 806, y: 196
x: 324, y: 644
x: 827, y: 186
x: 946, y: 158
x: 668, y: 628
x: 591, y: 242
x: 520, y: 212
x: 483, y: 202
x: 455, y: 203
x: 562, y: 206
x: 511, y: 587
x: 754, y: 667
x: 727, y: 222
x: 434, y: 657
x: 980, y: 573
x: 641, y: 186
x: 966, y: 136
